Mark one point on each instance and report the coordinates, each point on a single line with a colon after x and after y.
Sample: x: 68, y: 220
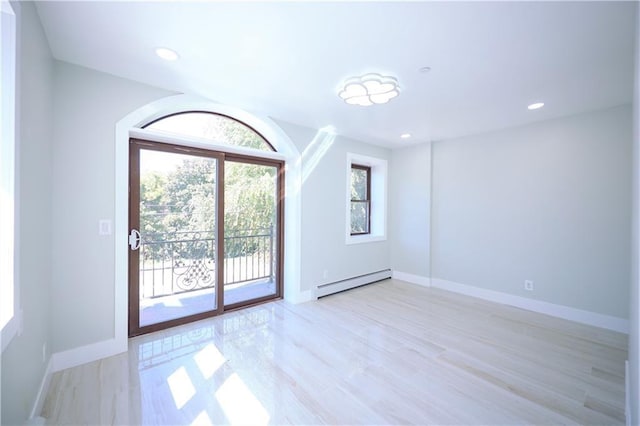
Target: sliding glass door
x: 205, y: 235
x: 174, y: 217
x: 251, y: 231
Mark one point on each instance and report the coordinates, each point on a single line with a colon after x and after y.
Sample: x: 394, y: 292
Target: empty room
x: 234, y: 212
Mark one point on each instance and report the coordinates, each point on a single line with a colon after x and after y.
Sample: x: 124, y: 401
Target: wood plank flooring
x: 387, y: 353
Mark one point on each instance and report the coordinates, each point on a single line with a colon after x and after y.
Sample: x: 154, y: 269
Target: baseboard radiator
x: 349, y: 283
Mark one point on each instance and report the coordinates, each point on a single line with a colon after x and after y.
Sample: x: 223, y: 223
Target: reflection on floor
x: 387, y: 353
x: 180, y: 305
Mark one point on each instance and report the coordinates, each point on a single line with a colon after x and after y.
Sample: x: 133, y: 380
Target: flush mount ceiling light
x: 166, y: 54
x: 537, y: 105
x: 369, y: 89
x: 405, y: 135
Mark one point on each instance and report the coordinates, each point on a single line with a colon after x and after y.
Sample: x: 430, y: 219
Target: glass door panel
x: 251, y: 266
x: 176, y: 273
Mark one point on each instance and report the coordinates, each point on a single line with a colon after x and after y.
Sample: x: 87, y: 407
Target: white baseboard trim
x: 349, y: 283
x: 411, y: 278
x: 34, y: 417
x: 620, y: 325
x: 82, y: 355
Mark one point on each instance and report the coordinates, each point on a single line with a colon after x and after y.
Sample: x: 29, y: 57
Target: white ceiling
x: 489, y: 60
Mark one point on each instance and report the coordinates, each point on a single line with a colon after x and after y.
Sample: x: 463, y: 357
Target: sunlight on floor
x: 181, y: 387
x: 209, y: 359
x: 234, y: 401
x: 239, y: 404
x: 202, y: 419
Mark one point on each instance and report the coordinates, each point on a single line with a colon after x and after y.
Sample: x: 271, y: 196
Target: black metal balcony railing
x: 179, y: 262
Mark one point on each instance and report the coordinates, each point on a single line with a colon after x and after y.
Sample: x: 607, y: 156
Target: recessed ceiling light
x: 405, y: 135
x: 166, y: 54
x: 369, y: 89
x: 424, y: 70
x: 537, y: 105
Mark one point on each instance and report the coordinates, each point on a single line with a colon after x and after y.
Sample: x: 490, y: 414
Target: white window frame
x: 378, y: 210
x: 10, y: 315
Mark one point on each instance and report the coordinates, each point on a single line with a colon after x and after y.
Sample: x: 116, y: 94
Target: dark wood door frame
x: 280, y: 195
x: 135, y: 145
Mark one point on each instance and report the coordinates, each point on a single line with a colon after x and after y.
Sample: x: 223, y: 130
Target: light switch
x: 104, y: 227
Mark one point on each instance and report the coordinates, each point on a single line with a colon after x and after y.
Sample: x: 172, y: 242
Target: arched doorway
x: 206, y: 223
x: 132, y: 127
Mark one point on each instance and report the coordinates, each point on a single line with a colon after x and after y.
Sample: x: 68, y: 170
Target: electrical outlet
x: 528, y: 285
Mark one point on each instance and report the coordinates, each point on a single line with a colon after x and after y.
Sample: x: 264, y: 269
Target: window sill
x: 366, y: 238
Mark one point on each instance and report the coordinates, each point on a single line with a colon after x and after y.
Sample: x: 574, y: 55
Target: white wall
x: 547, y: 202
x: 410, y: 213
x: 323, y: 247
x: 634, y: 332
x: 23, y: 365
x: 87, y: 105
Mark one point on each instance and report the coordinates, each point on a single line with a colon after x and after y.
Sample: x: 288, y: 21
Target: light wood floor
x: 387, y: 353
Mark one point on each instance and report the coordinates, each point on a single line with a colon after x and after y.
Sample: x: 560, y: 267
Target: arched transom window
x: 217, y: 128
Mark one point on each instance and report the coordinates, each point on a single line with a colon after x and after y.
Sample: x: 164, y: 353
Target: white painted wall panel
x: 410, y: 212
x: 323, y: 246
x: 548, y: 202
x: 87, y: 105
x: 23, y: 365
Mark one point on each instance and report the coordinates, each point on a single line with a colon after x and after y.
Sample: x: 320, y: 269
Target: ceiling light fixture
x: 537, y: 105
x: 166, y: 54
x: 405, y: 135
x: 424, y: 70
x: 369, y: 89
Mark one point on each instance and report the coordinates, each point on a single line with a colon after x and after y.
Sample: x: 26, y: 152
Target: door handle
x: 135, y: 239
